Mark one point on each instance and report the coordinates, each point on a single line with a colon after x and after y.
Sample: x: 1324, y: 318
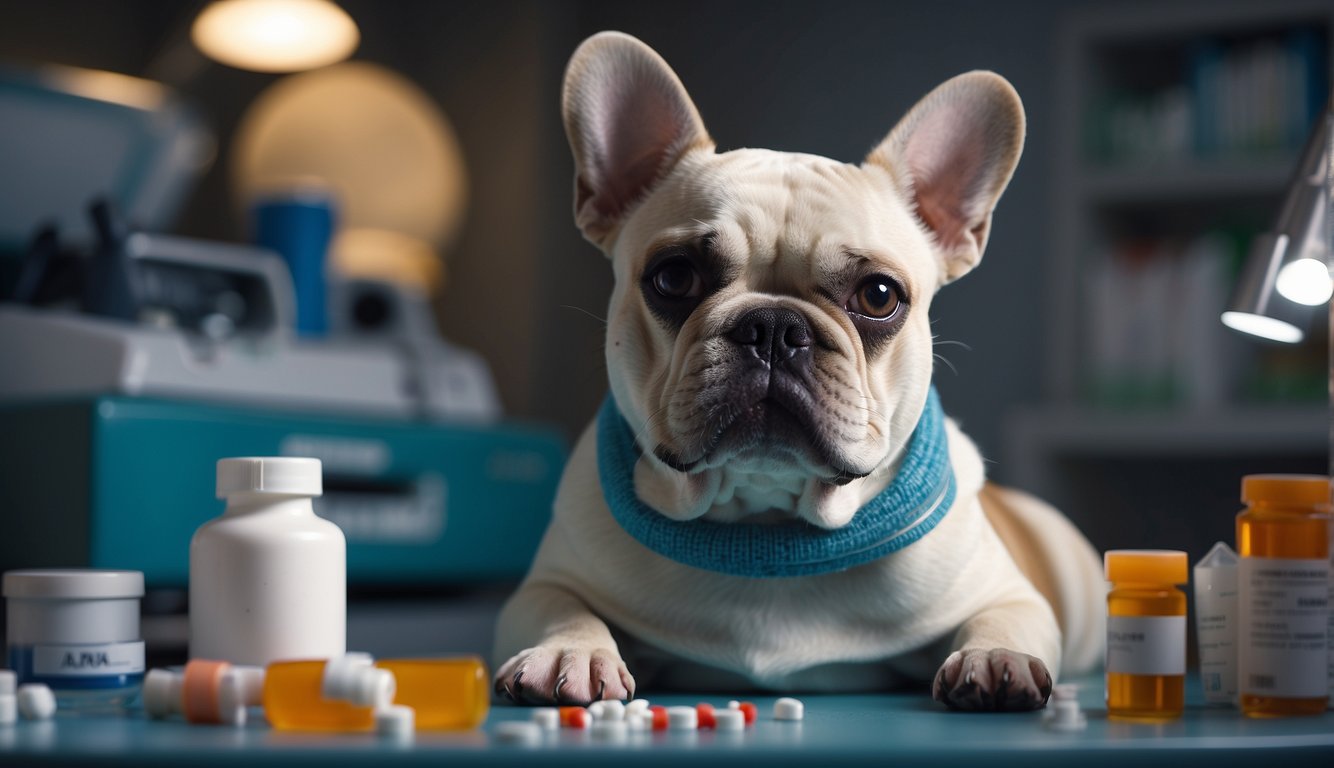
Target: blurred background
x: 1084, y: 355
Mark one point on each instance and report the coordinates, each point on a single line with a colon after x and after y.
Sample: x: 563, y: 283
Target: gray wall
x: 828, y: 77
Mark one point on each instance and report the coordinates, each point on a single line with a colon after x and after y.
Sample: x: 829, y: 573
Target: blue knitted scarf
x: 917, y: 499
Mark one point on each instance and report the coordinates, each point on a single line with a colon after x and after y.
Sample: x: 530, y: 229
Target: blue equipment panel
x: 117, y: 482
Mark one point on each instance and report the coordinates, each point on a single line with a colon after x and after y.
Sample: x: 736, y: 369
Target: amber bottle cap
x: 1146, y: 566
x: 1289, y: 490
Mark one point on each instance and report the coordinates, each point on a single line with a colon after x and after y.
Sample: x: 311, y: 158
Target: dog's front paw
x: 995, y: 680
x: 549, y: 675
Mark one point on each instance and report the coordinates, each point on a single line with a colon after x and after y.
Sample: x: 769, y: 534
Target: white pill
x: 789, y: 709
x: 520, y: 732
x: 596, y: 708
x: 8, y: 681
x: 611, y: 710
x: 682, y: 718
x: 635, y: 706
x: 395, y: 720
x: 546, y: 718
x: 609, y: 730
x: 734, y: 704
x: 638, y: 721
x: 9, y: 708
x: 36, y: 702
x: 730, y: 719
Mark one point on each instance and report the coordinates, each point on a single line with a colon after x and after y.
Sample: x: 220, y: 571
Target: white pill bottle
x: 268, y: 579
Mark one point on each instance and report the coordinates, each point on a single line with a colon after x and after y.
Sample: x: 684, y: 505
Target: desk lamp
x: 1290, y: 267
x: 1287, y: 271
x: 275, y: 35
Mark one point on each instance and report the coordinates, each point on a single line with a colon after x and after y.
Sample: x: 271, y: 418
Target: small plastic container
x: 77, y: 631
x: 1146, y: 634
x: 268, y: 579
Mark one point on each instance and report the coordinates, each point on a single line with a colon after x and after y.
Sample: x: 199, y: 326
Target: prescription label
x: 1284, y: 609
x: 1146, y: 645
x: 88, y: 660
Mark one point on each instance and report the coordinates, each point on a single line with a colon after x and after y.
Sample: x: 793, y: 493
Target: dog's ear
x: 629, y: 120
x: 953, y: 154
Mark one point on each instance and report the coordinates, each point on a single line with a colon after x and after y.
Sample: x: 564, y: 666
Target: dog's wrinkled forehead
x: 781, y: 223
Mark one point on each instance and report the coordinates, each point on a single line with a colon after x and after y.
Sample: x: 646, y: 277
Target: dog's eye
x: 877, y: 298
x: 677, y: 279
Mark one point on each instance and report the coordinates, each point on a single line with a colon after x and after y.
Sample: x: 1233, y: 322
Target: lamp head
x: 1287, y: 272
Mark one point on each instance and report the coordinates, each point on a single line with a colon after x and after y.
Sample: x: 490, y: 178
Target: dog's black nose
x: 772, y: 333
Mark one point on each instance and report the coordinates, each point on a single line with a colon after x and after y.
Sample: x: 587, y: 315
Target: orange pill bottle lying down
x: 447, y: 694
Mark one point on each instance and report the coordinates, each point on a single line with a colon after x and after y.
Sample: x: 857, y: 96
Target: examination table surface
x: 891, y: 729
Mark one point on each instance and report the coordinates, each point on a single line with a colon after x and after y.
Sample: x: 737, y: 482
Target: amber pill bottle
x: 1146, y: 634
x: 445, y: 693
x: 1283, y: 595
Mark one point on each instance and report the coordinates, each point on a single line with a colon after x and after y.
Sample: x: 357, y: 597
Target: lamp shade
x: 275, y: 35
x: 1257, y: 308
x: 1285, y: 274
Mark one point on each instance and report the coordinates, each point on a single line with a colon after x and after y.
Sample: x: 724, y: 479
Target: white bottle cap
x: 352, y: 678
x: 162, y: 692
x: 251, y: 682
x: 231, y: 699
x: 270, y: 474
x: 74, y: 583
x: 1065, y: 692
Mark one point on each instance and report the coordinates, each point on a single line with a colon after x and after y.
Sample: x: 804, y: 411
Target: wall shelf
x: 1174, y: 433
x: 1183, y: 182
x: 1145, y: 445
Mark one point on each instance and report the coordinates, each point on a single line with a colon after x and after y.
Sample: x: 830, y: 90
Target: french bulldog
x: 769, y: 499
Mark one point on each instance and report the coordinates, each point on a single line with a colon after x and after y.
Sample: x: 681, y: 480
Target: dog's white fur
x: 919, y: 210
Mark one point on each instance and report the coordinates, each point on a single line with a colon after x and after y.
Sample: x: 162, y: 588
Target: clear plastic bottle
x: 1146, y: 634
x: 447, y: 694
x: 1283, y: 600
x: 268, y: 579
